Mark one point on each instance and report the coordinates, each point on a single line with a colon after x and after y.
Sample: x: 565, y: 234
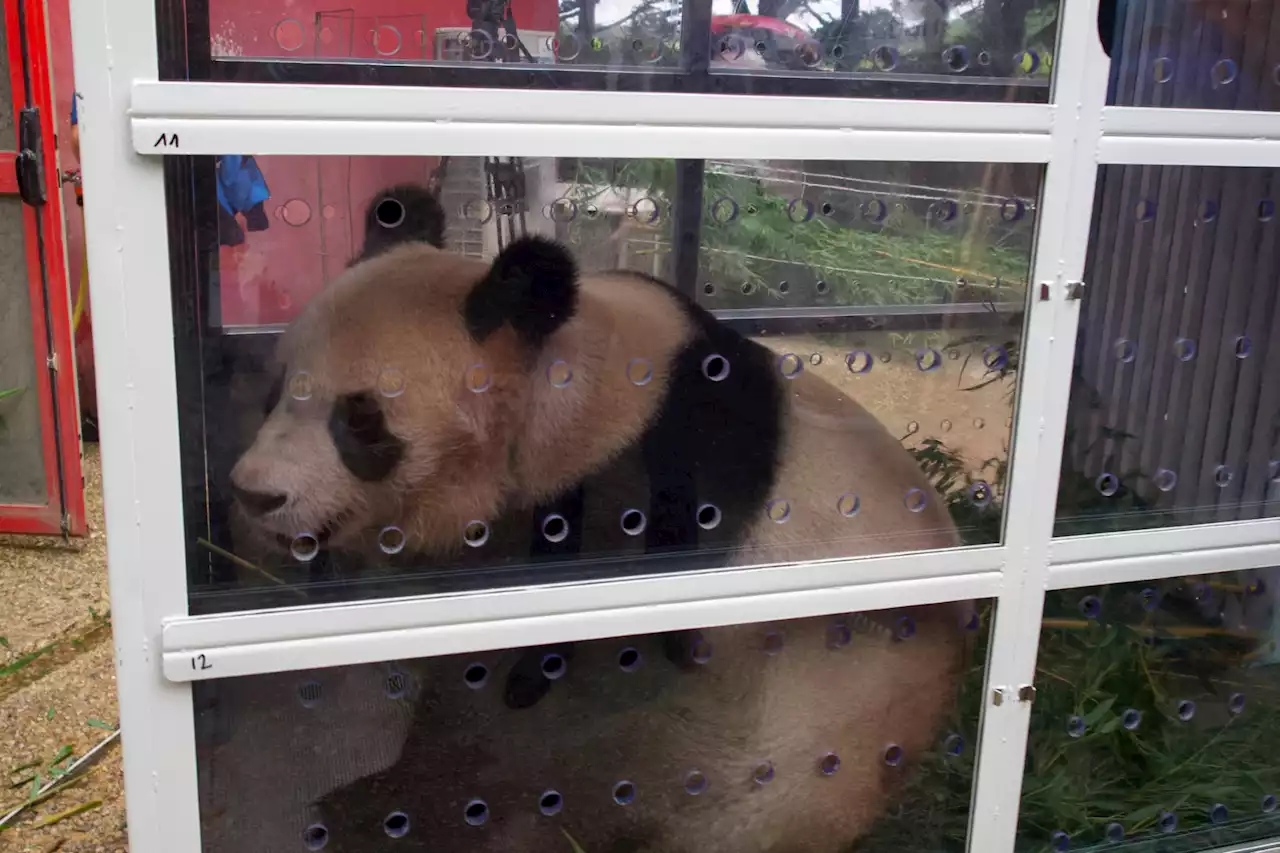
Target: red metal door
x: 41, y: 487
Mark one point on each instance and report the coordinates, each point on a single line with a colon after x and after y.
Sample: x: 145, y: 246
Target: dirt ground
x: 57, y: 682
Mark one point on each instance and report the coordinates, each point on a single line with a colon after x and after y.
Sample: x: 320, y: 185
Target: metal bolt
x: 1027, y: 693
x: 1075, y: 290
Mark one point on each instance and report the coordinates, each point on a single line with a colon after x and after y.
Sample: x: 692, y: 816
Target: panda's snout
x: 259, y: 503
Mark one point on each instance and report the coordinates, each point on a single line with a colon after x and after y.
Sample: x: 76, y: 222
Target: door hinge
x: 29, y: 163
x: 52, y: 361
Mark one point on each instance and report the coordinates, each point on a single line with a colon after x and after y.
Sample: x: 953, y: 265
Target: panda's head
x: 400, y: 390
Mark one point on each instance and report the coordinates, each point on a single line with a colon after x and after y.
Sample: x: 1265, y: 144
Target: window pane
x: 850, y: 392
x: 817, y: 732
x: 22, y: 475
x: 1154, y: 726
x: 1173, y: 406
x: 867, y: 48
x: 1191, y: 53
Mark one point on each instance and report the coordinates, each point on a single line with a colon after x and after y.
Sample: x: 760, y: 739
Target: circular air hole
x: 475, y: 534
x: 815, y: 358
x: 995, y: 358
x: 564, y: 209
x: 1269, y: 803
x: 390, y: 382
x: 1107, y: 484
x: 904, y: 628
x: 773, y: 643
x: 695, y: 783
x: 301, y: 386
x: 980, y: 494
x: 1185, y: 709
x: 1091, y: 606
x: 1060, y: 842
x: 885, y: 57
x: 1218, y: 813
x: 848, y: 504
x: 555, y: 528
x: 559, y: 374
x: 289, y: 34
x: 396, y: 685
x: 554, y: 666
x: 892, y: 755
x: 1222, y: 476
x: 633, y: 522
x: 1115, y: 833
x: 565, y: 45
x: 724, y: 209
x: 715, y: 367
x: 784, y: 287
x: 763, y: 773
x: 476, y: 675
x: 1184, y: 349
x: 390, y: 213
x: 629, y: 659
x: 391, y: 540
x: 550, y: 803
x: 1145, y: 210
x: 1224, y: 72
x: 1075, y: 726
x: 304, y: 547
x: 708, y: 516
x: 944, y: 210
x: 956, y: 58
x: 874, y: 210
x: 1131, y: 718
x: 1013, y: 210
x: 838, y: 635
x: 953, y: 746
x: 476, y: 812
x: 701, y: 651
x: 478, y: 379
x: 915, y: 500
x: 1162, y: 70
x: 708, y: 288
x: 1207, y: 211
x: 1266, y: 210
x: 1242, y: 346
x: 396, y: 825
x: 295, y: 212
x: 810, y: 53
x: 761, y: 48
x: 778, y: 510
x: 1236, y: 704
x: 310, y: 693
x: 1150, y: 599
x: 913, y: 427
x: 315, y: 837
x: 821, y: 287
x: 1027, y: 61
x: 829, y: 764
x: 827, y: 209
x: 1165, y: 479
x: 1167, y: 822
x: 480, y: 211
x: 790, y: 365
x: 984, y: 58
x: 624, y: 793
x: 859, y: 361
x: 928, y: 359
x: 748, y: 288
x: 800, y: 210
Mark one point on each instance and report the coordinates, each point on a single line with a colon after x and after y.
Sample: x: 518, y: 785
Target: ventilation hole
x: 591, y: 211
x: 800, y: 210
x: 708, y: 288
x: 391, y: 382
x: 390, y: 213
x: 315, y: 837
x: 821, y: 286
x: 928, y: 359
x: 724, y: 210
x: 885, y: 58
x: 563, y: 209
x: 1115, y: 833
x: 480, y: 211
x: 1186, y: 709
x: 476, y: 813
x: 310, y: 693
x: 1012, y: 210
x: 859, y: 361
x: 953, y: 745
x: 555, y: 528
x: 1222, y: 476
x: 1162, y: 70
x: 715, y: 367
x: 629, y: 659
x: 763, y: 774
x: 778, y: 510
x: 904, y: 628
x: 1060, y: 842
x: 550, y: 803
x: 984, y: 58
x: 848, y: 504
x: 1131, y: 718
x: 838, y: 635
x: 1027, y: 61
x: 837, y: 52
x: 391, y: 540
x: 773, y: 643
x: 915, y: 500
x: 815, y: 359
x: 301, y: 387
x: 559, y: 374
x: 288, y: 34
x: 1107, y: 484
x: 701, y: 651
x: 304, y: 547
x: 708, y: 516
x: 980, y: 494
x: 829, y: 764
x: 1184, y: 349
x: 295, y: 212
x: 748, y: 288
x: 790, y: 365
x: 761, y: 48
x: 874, y: 210
x: 624, y: 793
x: 827, y: 209
x: 944, y: 210
x: 554, y: 666
x: 695, y: 783
x: 1266, y: 210
x: 1242, y: 346
x: 1167, y: 822
x: 1075, y: 726
x: 1236, y: 703
x: 784, y: 287
x: 913, y: 427
x: 1224, y: 72
x: 1150, y: 599
x: 995, y: 358
x: 476, y: 675
x: 892, y: 755
x: 956, y: 58
x: 1165, y: 480
x: 475, y: 534
x: 1145, y: 210
x: 396, y: 685
x: 633, y: 522
x: 1091, y: 606
x: 1207, y: 211
x: 396, y: 825
x: 1269, y: 803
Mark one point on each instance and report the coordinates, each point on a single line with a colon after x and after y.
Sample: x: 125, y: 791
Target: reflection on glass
x: 853, y: 727
x: 1006, y: 47
x: 1173, y: 404
x: 1180, y: 53
x: 821, y: 364
x: 1155, y: 721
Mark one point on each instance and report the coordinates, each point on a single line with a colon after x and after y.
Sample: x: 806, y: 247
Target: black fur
x: 423, y: 222
x: 360, y: 433
x: 532, y: 285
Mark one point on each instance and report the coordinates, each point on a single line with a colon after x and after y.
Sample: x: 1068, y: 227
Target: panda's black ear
x: 402, y: 214
x: 532, y: 285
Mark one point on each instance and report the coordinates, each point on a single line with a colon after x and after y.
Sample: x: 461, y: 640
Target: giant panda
x: 519, y: 412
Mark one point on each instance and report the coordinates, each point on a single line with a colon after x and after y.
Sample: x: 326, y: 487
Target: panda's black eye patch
x: 359, y: 430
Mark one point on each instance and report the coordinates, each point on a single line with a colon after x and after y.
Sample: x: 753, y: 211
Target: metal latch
x: 29, y: 164
x: 1075, y: 290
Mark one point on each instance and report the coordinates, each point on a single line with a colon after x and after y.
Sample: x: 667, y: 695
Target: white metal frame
x: 129, y: 115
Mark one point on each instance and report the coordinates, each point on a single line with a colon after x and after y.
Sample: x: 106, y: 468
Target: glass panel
x: 22, y: 474
x: 1173, y: 407
x: 8, y: 137
x: 802, y: 735
x: 850, y: 394
x: 1155, y: 721
x: 969, y: 50
x: 1192, y: 53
